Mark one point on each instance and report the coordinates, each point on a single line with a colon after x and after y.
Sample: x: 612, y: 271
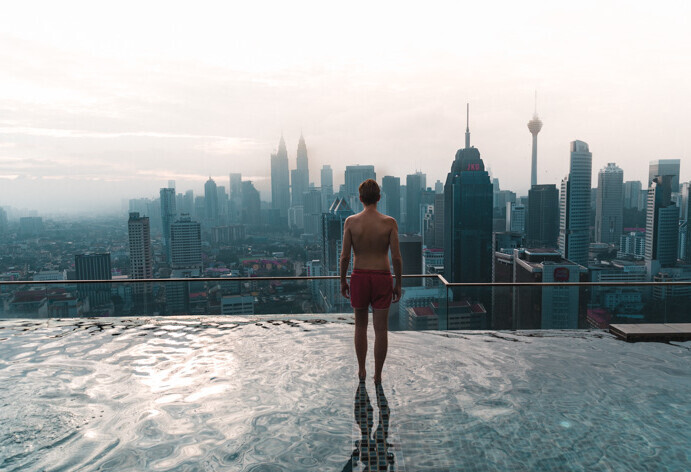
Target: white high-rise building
x: 574, y: 206
x: 609, y: 210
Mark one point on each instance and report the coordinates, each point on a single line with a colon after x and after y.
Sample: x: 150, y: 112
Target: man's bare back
x: 371, y: 234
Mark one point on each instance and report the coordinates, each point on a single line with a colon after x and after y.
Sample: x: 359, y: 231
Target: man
x: 371, y: 235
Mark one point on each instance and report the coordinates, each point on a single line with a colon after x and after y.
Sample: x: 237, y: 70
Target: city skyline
x: 90, y: 121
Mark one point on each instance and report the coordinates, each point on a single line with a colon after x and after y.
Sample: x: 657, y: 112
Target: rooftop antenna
x: 467, y: 125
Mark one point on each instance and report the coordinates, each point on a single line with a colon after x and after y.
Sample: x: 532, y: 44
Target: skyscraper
x: 141, y: 261
x: 438, y: 241
x: 251, y: 204
x: 280, y: 184
x: 222, y: 217
x: 355, y: 175
x: 302, y: 163
x: 391, y: 187
x: 574, y: 206
x: 669, y: 167
x: 632, y: 190
x: 543, y: 216
x: 186, y: 243
x: 235, y: 199
x: 662, y: 223
x: 414, y: 186
x: 468, y: 218
x: 411, y: 255
x: 332, y: 234
x: 187, y: 203
x: 332, y: 243
x: 3, y: 221
x: 168, y: 214
x: 534, y: 125
x: 327, y: 182
x: 610, y: 204
x: 300, y: 177
x: 211, y: 202
x: 515, y: 217
x: 312, y: 212
x: 685, y: 216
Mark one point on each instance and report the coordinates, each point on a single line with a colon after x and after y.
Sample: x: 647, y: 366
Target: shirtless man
x: 371, y: 234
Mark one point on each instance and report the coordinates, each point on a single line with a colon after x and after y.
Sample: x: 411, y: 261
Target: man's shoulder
x: 389, y: 219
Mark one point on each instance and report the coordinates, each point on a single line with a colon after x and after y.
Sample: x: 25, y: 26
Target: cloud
x: 72, y: 133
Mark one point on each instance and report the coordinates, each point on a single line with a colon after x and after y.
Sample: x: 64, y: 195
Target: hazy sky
x: 103, y: 103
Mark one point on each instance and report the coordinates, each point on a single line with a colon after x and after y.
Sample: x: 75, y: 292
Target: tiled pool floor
x: 222, y: 394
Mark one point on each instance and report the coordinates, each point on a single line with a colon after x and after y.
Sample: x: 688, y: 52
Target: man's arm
x: 345, y: 258
x: 396, y: 259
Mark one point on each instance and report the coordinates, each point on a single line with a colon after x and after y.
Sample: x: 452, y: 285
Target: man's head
x: 369, y: 192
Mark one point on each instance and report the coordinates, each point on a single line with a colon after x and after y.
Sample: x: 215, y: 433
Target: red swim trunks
x: 373, y: 287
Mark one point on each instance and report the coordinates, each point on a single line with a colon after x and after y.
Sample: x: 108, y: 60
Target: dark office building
x: 251, y: 204
x: 168, y: 215
x: 391, y: 187
x: 438, y: 241
x: 468, y: 219
x: 332, y: 234
x: 543, y: 216
x: 662, y: 223
x: 355, y: 175
x: 94, y: 267
x: 414, y: 187
x: 411, y: 253
x: 211, y: 202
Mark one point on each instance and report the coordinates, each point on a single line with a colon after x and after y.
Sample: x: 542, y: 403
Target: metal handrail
x: 336, y: 277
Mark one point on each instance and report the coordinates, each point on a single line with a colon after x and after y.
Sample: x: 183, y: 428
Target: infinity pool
x: 217, y: 394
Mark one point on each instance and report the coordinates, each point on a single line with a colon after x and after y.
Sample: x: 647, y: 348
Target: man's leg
x: 361, y: 315
x: 380, y: 319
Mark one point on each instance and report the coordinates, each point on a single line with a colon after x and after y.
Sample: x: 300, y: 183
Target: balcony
x: 277, y: 389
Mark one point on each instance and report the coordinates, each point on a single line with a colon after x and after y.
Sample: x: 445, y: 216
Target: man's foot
x: 362, y: 374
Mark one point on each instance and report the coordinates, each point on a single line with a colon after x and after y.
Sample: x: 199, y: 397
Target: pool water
x: 235, y: 394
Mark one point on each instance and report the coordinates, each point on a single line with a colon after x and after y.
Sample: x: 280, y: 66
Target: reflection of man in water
x: 372, y: 449
x: 371, y: 235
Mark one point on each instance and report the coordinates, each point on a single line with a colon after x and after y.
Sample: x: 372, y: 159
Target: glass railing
x: 566, y: 305
x: 428, y: 302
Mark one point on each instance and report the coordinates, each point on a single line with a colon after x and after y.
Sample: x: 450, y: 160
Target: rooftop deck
x: 652, y: 331
x: 224, y: 393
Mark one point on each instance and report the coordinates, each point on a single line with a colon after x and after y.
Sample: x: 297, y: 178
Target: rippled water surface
x: 227, y: 394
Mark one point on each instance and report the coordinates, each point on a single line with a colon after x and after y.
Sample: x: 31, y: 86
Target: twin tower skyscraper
x: 288, y: 187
